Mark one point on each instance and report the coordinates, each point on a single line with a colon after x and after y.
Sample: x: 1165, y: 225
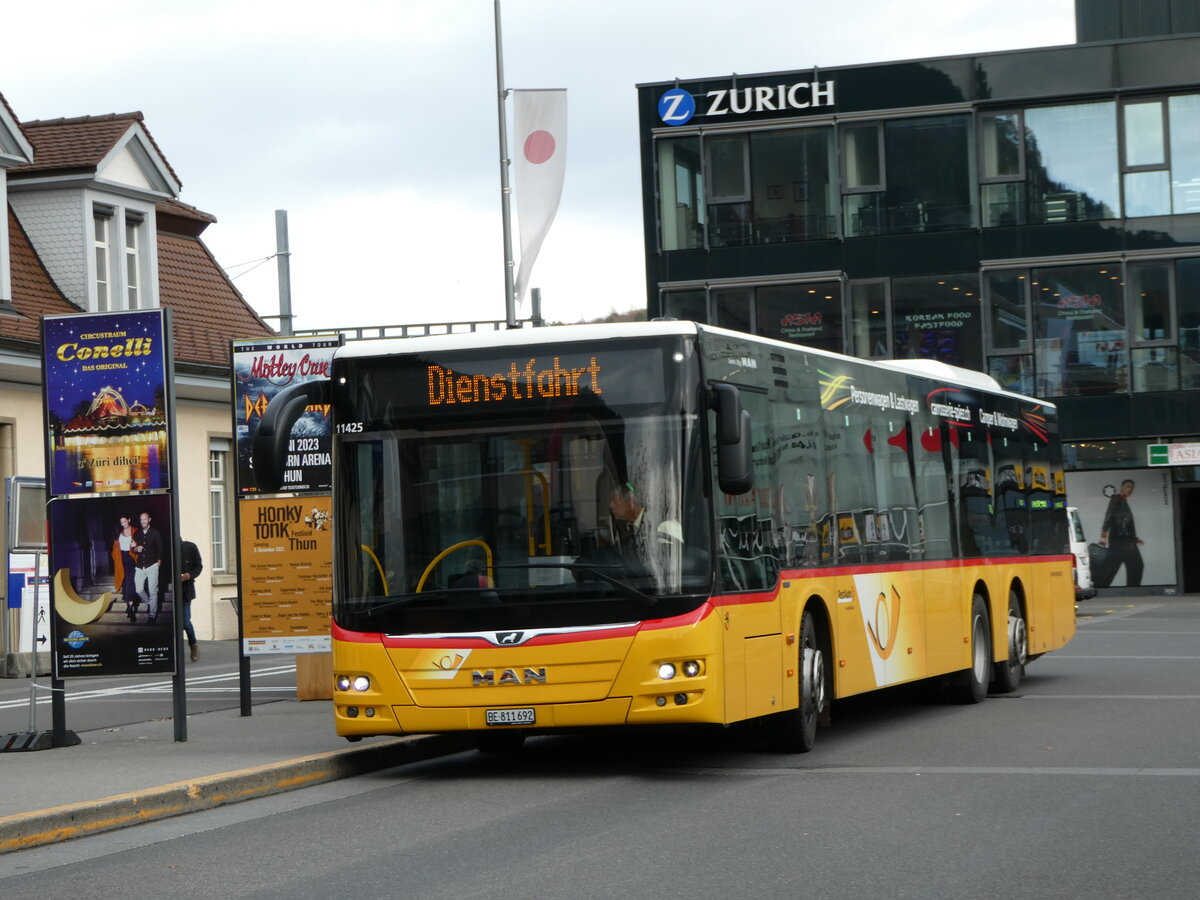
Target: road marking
x: 198, y: 684
x: 1089, y: 772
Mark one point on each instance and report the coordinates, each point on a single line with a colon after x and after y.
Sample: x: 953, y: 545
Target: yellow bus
x: 664, y: 523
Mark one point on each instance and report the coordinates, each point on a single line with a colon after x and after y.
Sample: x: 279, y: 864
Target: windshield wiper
x: 596, y: 569
x: 438, y: 594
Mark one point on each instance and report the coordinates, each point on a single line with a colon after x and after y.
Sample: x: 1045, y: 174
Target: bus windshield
x: 533, y: 512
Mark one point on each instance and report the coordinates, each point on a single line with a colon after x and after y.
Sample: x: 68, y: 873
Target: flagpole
x: 510, y: 311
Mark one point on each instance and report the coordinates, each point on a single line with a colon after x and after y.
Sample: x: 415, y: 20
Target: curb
x: 35, y: 829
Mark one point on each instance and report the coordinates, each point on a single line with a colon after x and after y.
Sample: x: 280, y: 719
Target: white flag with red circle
x: 541, y: 152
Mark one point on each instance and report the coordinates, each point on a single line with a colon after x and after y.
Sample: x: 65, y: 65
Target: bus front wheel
x: 972, y: 683
x: 1006, y: 676
x: 795, y: 730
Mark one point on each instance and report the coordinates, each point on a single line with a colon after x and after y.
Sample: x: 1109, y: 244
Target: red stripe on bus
x: 701, y: 612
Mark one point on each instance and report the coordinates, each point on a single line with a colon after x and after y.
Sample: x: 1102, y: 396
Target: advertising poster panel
x: 111, y: 577
x: 106, y: 399
x: 287, y: 574
x: 1133, y: 510
x: 281, y: 418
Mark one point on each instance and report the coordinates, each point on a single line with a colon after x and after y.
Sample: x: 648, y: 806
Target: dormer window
x: 122, y: 269
x: 102, y: 217
x: 133, y: 240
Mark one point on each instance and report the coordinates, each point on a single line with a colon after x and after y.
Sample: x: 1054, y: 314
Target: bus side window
x: 748, y: 535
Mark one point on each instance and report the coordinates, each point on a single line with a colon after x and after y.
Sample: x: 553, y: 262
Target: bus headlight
x: 361, y: 683
x: 343, y: 682
x: 666, y: 671
x: 691, y: 668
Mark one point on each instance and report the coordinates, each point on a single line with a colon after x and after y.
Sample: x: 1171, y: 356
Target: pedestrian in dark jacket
x: 190, y: 567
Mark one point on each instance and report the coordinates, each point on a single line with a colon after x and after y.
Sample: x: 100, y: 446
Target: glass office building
x: 1032, y: 214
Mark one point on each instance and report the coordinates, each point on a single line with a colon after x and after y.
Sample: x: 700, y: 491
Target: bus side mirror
x: 735, y: 465
x: 269, y: 448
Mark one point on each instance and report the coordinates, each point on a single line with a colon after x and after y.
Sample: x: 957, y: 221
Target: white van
x: 1079, y: 550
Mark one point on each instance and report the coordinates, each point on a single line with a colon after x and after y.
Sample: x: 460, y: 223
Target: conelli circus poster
x: 281, y: 414
x: 106, y: 397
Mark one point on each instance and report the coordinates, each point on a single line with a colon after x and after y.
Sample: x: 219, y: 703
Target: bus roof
x: 553, y: 334
x: 514, y: 337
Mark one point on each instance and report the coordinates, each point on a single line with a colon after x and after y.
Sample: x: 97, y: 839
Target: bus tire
x: 1006, y: 674
x: 795, y: 730
x: 971, y: 684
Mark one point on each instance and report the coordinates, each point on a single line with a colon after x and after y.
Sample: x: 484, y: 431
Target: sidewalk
x: 138, y: 773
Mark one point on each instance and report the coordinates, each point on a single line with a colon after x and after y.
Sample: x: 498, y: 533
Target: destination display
x: 538, y: 379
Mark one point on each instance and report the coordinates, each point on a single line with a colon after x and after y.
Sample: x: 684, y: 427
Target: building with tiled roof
x: 92, y: 223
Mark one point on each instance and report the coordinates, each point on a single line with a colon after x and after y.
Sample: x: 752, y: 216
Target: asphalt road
x: 1086, y: 783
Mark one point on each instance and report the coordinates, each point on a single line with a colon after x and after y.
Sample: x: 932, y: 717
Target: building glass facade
x: 1034, y: 215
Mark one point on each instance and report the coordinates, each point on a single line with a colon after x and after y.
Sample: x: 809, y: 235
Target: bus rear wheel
x: 971, y: 684
x: 1006, y: 674
x: 795, y: 731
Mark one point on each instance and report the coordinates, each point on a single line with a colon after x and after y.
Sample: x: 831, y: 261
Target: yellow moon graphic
x: 73, y: 608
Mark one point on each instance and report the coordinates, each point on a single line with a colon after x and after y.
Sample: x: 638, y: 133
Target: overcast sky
x: 373, y: 122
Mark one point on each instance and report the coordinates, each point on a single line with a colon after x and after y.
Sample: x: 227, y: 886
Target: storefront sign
x: 1173, y: 454
x: 677, y: 106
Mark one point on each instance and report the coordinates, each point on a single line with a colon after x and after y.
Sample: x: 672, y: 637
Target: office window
x: 1001, y: 169
x: 1184, y: 113
x: 101, y: 241
x: 1008, y: 311
x: 792, y: 186
x: 1145, y: 176
x: 907, y: 175
x: 728, y: 174
x: 1081, y: 342
x: 928, y: 174
x: 809, y: 314
x: 680, y: 194
x: 869, y: 320
x: 1187, y: 273
x: 687, y: 305
x: 862, y: 180
x: 734, y: 309
x: 1071, y: 162
x: 938, y: 317
x: 220, y: 521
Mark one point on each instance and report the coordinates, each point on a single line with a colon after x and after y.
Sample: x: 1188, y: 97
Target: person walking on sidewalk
x: 190, y: 567
x: 149, y: 550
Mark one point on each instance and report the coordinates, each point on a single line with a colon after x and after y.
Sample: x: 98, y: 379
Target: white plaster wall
x: 213, y: 614
x: 22, y: 406
x: 54, y: 221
